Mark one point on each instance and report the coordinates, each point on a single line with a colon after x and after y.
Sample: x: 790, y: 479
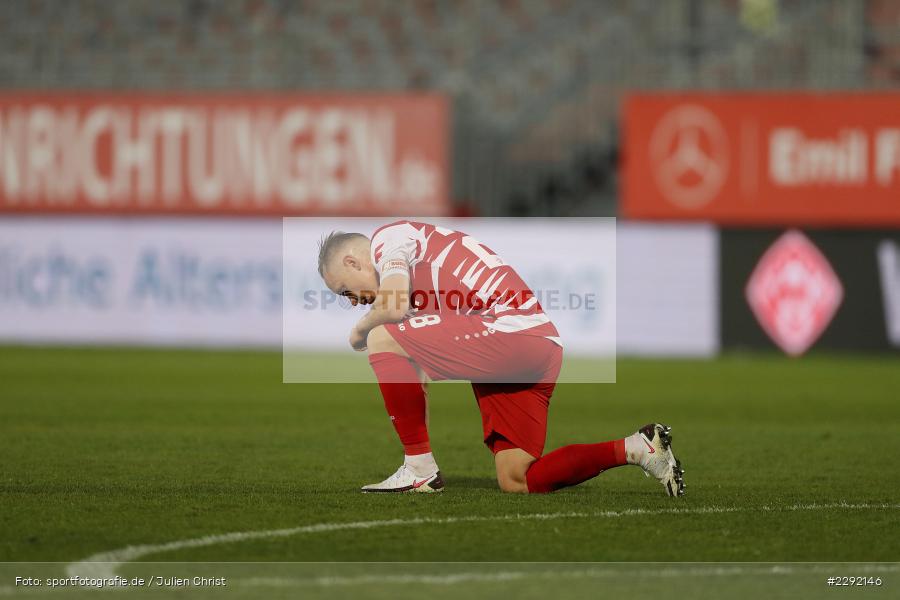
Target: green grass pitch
x: 786, y: 460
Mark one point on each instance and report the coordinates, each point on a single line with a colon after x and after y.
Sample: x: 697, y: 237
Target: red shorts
x: 512, y: 374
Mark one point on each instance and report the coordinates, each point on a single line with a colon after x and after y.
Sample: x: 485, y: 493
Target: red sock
x: 404, y: 399
x: 570, y: 465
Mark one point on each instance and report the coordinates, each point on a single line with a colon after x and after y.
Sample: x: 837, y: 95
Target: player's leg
x: 446, y: 346
x: 514, y: 417
x: 512, y: 468
x: 650, y: 448
x: 403, y: 389
x: 573, y: 464
x: 526, y: 471
x: 401, y: 354
x: 519, y: 471
x: 379, y: 340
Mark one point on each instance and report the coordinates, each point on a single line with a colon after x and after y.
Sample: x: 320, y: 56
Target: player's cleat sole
x: 660, y: 461
x: 405, y: 481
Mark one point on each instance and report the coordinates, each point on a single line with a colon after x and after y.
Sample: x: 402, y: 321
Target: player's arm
x: 391, y: 306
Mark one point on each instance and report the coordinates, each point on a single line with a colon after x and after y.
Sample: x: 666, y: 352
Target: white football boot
x: 651, y: 449
x: 404, y: 480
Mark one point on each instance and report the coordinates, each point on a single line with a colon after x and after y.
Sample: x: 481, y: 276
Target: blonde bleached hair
x: 331, y: 244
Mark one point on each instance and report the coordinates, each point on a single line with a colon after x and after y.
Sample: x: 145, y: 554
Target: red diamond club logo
x: 794, y: 293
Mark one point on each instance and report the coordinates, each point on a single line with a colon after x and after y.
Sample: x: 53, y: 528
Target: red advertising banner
x: 755, y: 159
x: 267, y: 154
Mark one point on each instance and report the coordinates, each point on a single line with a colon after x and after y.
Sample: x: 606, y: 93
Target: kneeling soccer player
x: 445, y: 305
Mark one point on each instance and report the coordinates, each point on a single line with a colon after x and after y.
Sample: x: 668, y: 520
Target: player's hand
x: 357, y: 340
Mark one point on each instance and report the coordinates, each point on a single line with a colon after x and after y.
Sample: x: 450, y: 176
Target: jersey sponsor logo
x: 395, y: 265
x: 794, y: 293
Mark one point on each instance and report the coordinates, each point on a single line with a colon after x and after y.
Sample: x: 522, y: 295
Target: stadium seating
x: 526, y: 75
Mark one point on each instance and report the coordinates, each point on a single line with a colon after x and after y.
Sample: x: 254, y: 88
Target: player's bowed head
x: 346, y: 267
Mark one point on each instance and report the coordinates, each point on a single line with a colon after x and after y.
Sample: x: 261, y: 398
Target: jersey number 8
x: 424, y: 321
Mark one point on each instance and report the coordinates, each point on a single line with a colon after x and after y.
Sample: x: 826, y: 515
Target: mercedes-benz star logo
x: 689, y: 156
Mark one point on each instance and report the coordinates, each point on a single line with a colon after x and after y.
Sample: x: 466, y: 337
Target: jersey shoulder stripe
x: 392, y: 224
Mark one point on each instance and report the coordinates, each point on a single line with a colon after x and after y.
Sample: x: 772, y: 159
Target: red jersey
x: 451, y: 271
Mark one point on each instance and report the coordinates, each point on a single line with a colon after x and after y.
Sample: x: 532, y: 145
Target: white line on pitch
x: 105, y: 564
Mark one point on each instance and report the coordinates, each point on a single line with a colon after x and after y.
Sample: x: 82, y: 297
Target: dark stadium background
x: 147, y: 423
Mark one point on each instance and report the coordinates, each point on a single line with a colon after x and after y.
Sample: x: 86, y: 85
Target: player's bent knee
x: 512, y: 479
x: 375, y: 338
x: 512, y: 485
x: 379, y: 340
x: 512, y: 466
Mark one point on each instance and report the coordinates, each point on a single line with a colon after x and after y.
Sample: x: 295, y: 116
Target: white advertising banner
x: 889, y: 271
x: 137, y: 281
x: 668, y: 289
x: 218, y: 282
